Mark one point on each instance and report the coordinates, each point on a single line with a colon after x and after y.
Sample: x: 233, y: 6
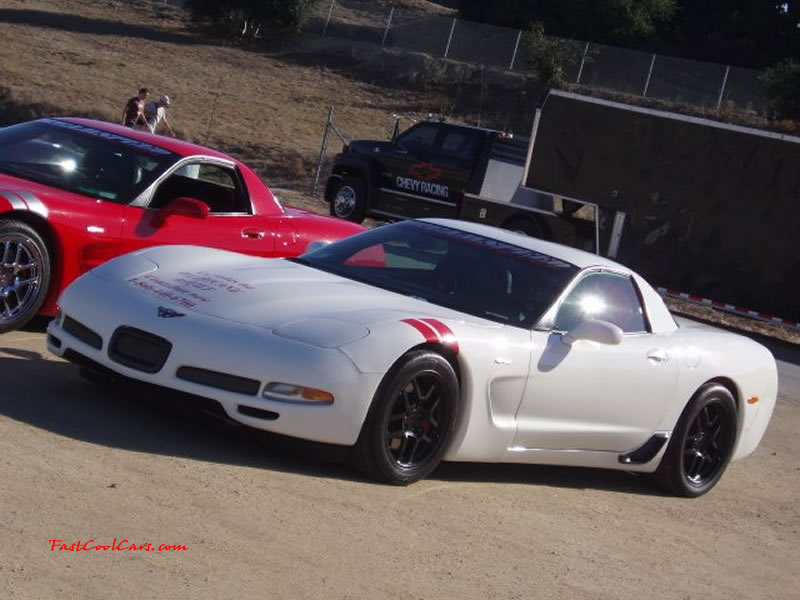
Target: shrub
x: 782, y: 89
x: 247, y: 18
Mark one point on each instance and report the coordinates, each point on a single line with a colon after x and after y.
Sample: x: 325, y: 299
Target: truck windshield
x: 477, y: 275
x: 81, y: 159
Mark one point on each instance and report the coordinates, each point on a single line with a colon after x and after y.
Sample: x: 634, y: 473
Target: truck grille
x: 139, y: 349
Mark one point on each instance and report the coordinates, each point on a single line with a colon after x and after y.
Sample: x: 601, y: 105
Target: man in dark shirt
x: 133, y: 113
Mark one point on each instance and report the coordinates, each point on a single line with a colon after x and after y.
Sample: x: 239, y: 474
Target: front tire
x: 410, y: 421
x: 25, y: 269
x: 701, y: 445
x: 349, y: 200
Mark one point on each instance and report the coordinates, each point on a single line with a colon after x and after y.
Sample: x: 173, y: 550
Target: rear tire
x: 701, y: 445
x: 349, y: 199
x: 25, y: 269
x: 411, y: 420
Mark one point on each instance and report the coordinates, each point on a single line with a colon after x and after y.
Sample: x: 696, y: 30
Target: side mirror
x: 594, y: 330
x: 184, y: 206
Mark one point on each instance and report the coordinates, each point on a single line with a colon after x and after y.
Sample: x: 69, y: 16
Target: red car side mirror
x: 184, y: 206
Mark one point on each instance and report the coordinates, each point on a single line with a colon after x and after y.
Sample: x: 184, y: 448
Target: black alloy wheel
x: 410, y: 420
x: 701, y: 445
x: 414, y: 429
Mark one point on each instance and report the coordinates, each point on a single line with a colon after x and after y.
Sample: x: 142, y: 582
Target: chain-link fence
x: 671, y: 79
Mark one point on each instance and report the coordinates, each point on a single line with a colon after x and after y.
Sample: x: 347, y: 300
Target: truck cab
x: 422, y: 172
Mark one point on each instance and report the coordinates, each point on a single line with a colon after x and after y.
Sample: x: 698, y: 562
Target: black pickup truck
x: 433, y: 169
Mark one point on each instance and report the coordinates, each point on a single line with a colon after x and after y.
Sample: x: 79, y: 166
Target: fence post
x: 649, y: 74
x: 583, y: 62
x: 450, y: 38
x: 328, y: 19
x: 388, y: 24
x: 322, y: 152
x: 516, y: 47
x: 722, y: 87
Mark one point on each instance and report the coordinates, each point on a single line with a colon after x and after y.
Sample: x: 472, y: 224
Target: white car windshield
x: 471, y: 273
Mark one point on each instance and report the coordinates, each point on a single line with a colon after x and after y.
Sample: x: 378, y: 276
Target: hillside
x: 79, y: 57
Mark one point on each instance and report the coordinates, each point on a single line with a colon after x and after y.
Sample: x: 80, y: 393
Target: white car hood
x: 272, y: 293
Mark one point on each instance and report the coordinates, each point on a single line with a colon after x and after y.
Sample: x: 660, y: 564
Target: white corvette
x: 432, y: 340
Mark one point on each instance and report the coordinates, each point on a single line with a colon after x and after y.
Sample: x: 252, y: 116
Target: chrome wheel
x: 20, y: 275
x: 344, y: 203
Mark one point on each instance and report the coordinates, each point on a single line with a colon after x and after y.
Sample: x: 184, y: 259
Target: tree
x: 746, y: 33
x: 739, y: 32
x: 625, y: 21
x: 247, y: 18
x: 549, y: 57
x: 595, y: 20
x: 782, y: 89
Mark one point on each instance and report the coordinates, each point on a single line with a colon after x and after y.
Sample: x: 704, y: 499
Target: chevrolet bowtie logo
x: 168, y: 313
x: 424, y: 171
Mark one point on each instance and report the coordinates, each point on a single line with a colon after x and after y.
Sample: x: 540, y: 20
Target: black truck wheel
x: 349, y: 199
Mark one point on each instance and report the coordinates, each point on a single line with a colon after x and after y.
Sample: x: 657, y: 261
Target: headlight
x: 297, y: 394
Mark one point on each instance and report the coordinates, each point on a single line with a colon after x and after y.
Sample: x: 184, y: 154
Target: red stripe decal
x: 447, y: 336
x: 428, y: 332
x: 435, y: 332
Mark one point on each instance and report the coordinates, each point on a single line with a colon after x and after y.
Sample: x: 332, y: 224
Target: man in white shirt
x: 156, y: 112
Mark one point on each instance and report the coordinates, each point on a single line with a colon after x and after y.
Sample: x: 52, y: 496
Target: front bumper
x: 211, y: 358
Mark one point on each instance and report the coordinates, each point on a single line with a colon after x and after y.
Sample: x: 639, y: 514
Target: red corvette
x: 75, y: 193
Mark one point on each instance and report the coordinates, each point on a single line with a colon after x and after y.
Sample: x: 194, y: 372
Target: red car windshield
x: 81, y: 159
x: 471, y: 273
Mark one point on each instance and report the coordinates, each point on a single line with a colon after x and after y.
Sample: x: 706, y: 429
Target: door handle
x: 657, y: 356
x: 253, y: 234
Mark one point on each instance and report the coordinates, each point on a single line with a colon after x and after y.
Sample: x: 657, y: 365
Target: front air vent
x: 139, y: 349
x: 222, y: 381
x: 258, y: 413
x: 82, y: 332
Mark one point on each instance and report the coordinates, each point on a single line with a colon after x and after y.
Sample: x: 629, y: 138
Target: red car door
x: 206, y: 203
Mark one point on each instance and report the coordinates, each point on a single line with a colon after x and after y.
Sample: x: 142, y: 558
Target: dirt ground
x: 260, y: 518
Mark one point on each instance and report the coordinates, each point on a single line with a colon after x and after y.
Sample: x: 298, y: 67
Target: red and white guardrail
x: 737, y: 310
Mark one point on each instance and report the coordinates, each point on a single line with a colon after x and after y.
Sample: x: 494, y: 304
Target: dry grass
x: 84, y: 57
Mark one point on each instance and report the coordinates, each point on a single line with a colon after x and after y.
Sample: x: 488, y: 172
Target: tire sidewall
x: 375, y: 429
x: 673, y: 469
x: 358, y: 213
x: 45, y: 268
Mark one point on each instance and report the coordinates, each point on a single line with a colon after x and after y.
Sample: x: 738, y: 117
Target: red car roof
x: 171, y: 144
